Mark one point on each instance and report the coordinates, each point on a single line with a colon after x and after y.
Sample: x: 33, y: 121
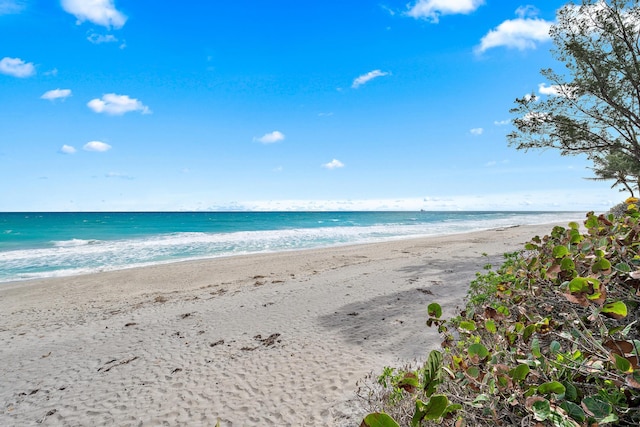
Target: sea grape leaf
x: 535, y: 347
x: 596, y: 407
x: 432, y: 410
x: 574, y: 411
x: 434, y: 310
x: 571, y: 392
x: 520, y: 372
x: 583, y: 284
x: 551, y: 387
x: 616, y: 310
x: 623, y: 267
x: 622, y: 364
x: 541, y: 409
x: 479, y: 350
x: 409, y: 382
x: 528, y: 331
x: 575, y: 236
x: 601, y: 265
x: 452, y: 408
x: 591, y: 222
x: 468, y: 325
x: 378, y: 419
x: 567, y: 264
x: 490, y: 326
x: 473, y: 371
x: 560, y: 251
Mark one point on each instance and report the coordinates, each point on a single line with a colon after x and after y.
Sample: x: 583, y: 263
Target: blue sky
x: 279, y: 105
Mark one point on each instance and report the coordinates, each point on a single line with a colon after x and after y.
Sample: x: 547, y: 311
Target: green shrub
x: 552, y: 337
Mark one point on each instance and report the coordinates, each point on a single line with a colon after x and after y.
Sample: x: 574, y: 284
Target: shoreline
x: 262, y: 339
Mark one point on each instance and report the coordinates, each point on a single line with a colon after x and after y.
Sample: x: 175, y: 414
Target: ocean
x: 42, y: 245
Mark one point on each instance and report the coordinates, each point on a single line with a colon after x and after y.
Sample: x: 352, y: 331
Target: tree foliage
x: 595, y: 107
x: 618, y: 167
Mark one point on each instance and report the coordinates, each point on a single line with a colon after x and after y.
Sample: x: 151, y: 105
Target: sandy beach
x: 274, y: 339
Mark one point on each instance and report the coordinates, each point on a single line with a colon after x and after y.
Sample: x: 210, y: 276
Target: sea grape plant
x: 551, y: 337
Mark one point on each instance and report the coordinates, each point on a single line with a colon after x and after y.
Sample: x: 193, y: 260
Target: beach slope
x: 273, y: 339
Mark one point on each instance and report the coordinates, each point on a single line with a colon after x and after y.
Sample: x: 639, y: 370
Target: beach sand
x: 271, y: 339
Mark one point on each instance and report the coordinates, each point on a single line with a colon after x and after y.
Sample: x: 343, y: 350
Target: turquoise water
x: 40, y: 245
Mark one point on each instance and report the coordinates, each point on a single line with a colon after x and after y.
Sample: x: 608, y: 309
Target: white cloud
x: 97, y: 146
x: 333, y: 164
x: 365, y: 78
x: 432, y: 9
x: 117, y: 105
x: 524, y: 32
x: 16, y: 67
x: 270, y: 138
x: 118, y: 175
x: 99, y: 12
x: 548, y: 90
x: 56, y: 94
x: 477, y: 131
x: 8, y: 7
x: 557, y: 90
x: 67, y: 149
x: 502, y: 122
x: 96, y: 38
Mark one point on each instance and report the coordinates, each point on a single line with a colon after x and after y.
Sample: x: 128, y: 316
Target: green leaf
x: 520, y: 372
x: 378, y: 419
x: 574, y: 411
x: 409, y: 380
x: 583, y: 284
x: 611, y: 418
x: 535, y: 348
x: 574, y: 225
x: 567, y: 264
x: 571, y: 392
x: 551, y: 387
x: 530, y: 247
x: 623, y: 267
x: 622, y: 364
x: 560, y: 251
x: 434, y: 310
x: 617, y: 310
x: 468, y: 325
x: 601, y: 265
x: 432, y: 410
x: 478, y: 350
x: 432, y: 376
x: 528, y: 331
x: 490, y: 326
x: 503, y: 310
x: 575, y: 236
x: 591, y: 222
x: 598, y: 407
x: 541, y: 410
x: 451, y: 409
x: 473, y: 371
x: 436, y: 406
